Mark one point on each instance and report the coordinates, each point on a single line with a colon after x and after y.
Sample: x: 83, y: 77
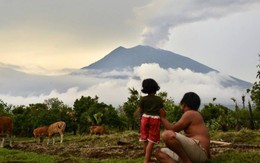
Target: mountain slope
x: 121, y: 58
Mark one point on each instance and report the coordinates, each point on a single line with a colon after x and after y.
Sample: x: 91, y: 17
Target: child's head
x: 192, y: 100
x: 150, y: 86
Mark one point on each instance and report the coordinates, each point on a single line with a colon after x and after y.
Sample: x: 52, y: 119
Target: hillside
x: 128, y: 58
x: 121, y: 58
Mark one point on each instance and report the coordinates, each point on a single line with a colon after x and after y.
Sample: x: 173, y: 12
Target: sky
x: 47, y: 37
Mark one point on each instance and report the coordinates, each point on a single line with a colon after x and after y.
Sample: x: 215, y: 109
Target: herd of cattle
x: 6, y: 131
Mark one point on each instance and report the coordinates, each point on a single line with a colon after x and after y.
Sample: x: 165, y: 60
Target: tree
x: 255, y: 90
x: 92, y: 112
x: 251, y: 117
x: 54, y: 103
x: 83, y: 105
x: 19, y: 121
x: 218, y: 117
x: 98, y: 117
x: 83, y: 123
x: 4, y: 108
x: 130, y: 107
x: 174, y: 112
x: 58, y: 108
x: 255, y: 97
x: 111, y: 118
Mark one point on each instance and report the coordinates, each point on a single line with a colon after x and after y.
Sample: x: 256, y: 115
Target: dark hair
x: 192, y: 100
x: 150, y: 86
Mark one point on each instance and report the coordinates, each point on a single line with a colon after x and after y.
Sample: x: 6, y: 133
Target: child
x: 149, y: 107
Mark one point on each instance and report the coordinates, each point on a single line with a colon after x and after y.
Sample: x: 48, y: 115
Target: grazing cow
x: 40, y: 132
x: 97, y: 130
x: 6, y: 129
x: 56, y: 128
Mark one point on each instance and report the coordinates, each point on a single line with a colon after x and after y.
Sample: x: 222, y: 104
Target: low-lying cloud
x: 18, y: 88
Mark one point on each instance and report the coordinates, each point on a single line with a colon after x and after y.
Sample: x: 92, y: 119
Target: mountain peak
x: 121, y: 58
x: 128, y: 58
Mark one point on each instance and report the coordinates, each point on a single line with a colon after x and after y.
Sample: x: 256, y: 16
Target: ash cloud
x: 162, y: 16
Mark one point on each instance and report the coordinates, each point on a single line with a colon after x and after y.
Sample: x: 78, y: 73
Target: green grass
x: 243, y: 136
x: 237, y: 157
x: 16, y: 156
x: 7, y: 155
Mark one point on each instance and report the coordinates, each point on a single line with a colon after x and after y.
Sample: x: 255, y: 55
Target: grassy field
x: 90, y: 148
x: 245, y: 147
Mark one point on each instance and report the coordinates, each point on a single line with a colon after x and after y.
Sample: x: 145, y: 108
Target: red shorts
x: 150, y: 128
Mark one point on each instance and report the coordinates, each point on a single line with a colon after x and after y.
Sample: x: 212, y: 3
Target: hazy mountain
x: 128, y: 58
x: 122, y: 58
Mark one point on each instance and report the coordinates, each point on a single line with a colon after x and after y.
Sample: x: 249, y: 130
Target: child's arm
x: 164, y: 120
x: 140, y: 110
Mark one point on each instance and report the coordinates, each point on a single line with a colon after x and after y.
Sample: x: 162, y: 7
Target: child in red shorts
x: 149, y: 107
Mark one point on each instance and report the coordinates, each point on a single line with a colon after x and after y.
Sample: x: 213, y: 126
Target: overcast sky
x: 46, y: 36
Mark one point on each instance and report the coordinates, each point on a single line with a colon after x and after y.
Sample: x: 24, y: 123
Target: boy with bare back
x: 194, y: 145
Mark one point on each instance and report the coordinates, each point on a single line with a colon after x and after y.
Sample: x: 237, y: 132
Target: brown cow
x: 56, y: 128
x: 40, y: 132
x: 97, y: 130
x: 6, y: 129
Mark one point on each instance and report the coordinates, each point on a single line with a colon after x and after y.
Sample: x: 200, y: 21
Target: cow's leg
x: 2, y: 144
x: 61, y: 138
x: 43, y: 139
x: 50, y: 136
x: 53, y: 140
x: 10, y: 141
x: 37, y: 140
x: 48, y: 141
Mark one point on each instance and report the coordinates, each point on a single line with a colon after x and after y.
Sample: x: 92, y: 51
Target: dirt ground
x: 84, y: 151
x: 91, y: 146
x: 107, y: 147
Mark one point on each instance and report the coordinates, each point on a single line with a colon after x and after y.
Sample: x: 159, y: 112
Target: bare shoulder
x: 192, y: 114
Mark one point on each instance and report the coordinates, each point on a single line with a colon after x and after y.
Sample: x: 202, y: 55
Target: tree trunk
x: 251, y: 118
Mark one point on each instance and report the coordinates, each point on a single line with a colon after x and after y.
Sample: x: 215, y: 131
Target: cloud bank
x: 19, y: 88
x: 162, y: 16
